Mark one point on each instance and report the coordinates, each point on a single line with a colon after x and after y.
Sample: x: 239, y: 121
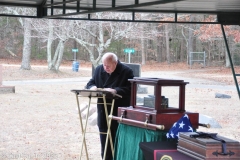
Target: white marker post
x: 129, y: 57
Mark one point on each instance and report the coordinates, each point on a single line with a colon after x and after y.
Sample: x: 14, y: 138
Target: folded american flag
x: 182, y: 125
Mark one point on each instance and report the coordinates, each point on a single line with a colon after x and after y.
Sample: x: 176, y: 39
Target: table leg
x: 83, y: 129
x: 109, y: 136
x: 110, y: 121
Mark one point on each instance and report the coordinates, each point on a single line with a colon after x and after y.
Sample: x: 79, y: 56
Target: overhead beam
x: 18, y: 4
x: 43, y: 2
x: 137, y: 21
x: 12, y: 15
x: 115, y: 8
x: 229, y: 18
x: 78, y: 6
x: 60, y: 3
x: 113, y: 3
x: 40, y: 10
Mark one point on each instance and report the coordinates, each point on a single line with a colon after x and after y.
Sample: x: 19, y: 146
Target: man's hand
x: 93, y: 88
x: 110, y: 90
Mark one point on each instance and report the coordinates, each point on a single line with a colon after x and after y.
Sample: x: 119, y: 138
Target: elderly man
x: 113, y: 76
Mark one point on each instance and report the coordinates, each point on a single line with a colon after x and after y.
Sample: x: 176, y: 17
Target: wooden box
x: 152, y: 117
x: 207, y: 148
x: 155, y: 109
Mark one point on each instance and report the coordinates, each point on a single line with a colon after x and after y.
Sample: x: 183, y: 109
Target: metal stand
x: 96, y: 94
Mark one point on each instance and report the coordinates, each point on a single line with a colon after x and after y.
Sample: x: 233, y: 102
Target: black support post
x: 230, y: 59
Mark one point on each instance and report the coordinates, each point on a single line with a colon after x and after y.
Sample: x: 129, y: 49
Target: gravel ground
x: 40, y: 120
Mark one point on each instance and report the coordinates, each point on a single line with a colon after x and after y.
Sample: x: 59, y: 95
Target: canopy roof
x: 227, y: 11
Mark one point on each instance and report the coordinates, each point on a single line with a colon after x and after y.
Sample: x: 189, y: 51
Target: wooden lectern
x: 99, y: 93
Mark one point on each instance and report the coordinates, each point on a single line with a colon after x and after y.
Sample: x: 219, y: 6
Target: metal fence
x: 197, y: 57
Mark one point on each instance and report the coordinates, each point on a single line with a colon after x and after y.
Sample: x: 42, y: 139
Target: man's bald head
x: 109, y: 61
x: 110, y: 57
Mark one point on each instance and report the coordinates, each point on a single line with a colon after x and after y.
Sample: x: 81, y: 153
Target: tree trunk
x: 60, y: 54
x: 167, y: 44
x: 93, y: 41
x: 56, y: 55
x: 142, y: 44
x: 209, y: 52
x: 186, y: 45
x: 158, y: 50
x: 26, y: 55
x: 227, y: 60
x: 49, y: 46
x: 190, y: 40
x: 143, y: 51
x: 182, y: 51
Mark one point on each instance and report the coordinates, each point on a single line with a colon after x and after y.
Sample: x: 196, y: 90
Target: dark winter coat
x: 118, y: 80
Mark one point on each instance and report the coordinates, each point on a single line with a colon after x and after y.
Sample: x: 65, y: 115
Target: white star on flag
x: 184, y: 126
x: 181, y: 124
x: 190, y: 129
x: 168, y: 135
x: 178, y: 134
x: 172, y: 135
x: 174, y: 125
x: 186, y: 116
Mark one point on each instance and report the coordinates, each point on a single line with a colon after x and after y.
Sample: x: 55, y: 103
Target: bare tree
x: 26, y: 56
x: 188, y: 39
x: 62, y: 33
x: 100, y: 34
x: 54, y: 30
x: 26, y: 24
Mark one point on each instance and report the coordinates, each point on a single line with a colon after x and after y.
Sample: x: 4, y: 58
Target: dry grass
x: 219, y: 74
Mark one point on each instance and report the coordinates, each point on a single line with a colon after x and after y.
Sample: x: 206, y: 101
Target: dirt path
x: 40, y: 121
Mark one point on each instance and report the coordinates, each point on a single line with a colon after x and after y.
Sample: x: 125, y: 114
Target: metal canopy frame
x: 226, y: 11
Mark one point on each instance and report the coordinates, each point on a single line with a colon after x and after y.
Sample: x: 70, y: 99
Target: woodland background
x: 53, y: 40
x: 44, y: 123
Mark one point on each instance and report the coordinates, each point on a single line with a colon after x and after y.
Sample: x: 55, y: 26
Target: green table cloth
x: 128, y: 138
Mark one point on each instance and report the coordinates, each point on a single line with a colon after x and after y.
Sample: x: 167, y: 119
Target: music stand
x: 99, y: 93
